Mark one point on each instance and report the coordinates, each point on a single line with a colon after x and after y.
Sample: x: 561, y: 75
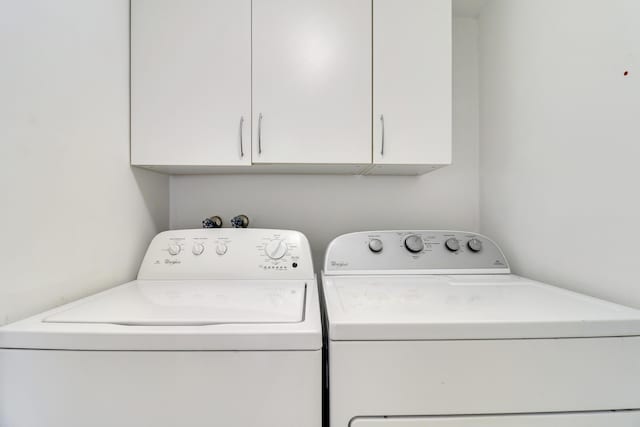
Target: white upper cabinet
x: 312, y: 81
x: 412, y: 79
x: 191, y: 82
x: 300, y: 86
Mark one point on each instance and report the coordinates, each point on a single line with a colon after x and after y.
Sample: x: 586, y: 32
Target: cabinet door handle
x: 241, y: 126
x: 382, y: 139
x: 260, y: 133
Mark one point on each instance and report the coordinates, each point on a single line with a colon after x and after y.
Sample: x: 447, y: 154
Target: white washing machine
x: 221, y: 328
x: 430, y: 329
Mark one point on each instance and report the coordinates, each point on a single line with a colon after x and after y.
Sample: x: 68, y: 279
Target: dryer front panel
x: 589, y: 419
x: 400, y: 379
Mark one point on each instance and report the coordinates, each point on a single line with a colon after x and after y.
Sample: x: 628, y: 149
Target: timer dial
x: 414, y: 243
x: 276, y: 249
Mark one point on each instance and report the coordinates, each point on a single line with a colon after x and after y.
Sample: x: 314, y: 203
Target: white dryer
x: 221, y: 328
x: 430, y: 329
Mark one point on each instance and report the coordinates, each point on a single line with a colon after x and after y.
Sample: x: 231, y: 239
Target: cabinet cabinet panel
x: 191, y: 82
x: 312, y: 81
x: 412, y: 94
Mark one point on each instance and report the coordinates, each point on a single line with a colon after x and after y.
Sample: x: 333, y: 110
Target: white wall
x: 325, y: 206
x: 74, y: 217
x: 560, y: 141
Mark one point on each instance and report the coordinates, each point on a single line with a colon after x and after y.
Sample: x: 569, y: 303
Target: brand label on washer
x: 339, y: 264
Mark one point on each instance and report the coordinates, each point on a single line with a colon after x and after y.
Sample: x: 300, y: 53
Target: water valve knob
x: 212, y: 222
x: 240, y: 221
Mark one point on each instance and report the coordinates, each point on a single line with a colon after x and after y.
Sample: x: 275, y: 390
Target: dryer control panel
x: 228, y: 253
x: 414, y: 252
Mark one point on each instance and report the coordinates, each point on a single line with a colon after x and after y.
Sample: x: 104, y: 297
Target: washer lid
x: 188, y: 315
x: 191, y: 303
x: 466, y: 307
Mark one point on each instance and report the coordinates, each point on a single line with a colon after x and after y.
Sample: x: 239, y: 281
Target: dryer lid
x: 466, y: 307
x: 191, y: 303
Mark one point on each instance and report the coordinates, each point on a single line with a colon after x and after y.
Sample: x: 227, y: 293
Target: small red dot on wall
x: 626, y: 73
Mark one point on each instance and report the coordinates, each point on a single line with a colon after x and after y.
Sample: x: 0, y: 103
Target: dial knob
x: 221, y: 248
x: 414, y: 243
x: 174, y: 249
x: 197, y: 248
x: 452, y: 244
x: 375, y: 245
x: 475, y: 245
x: 276, y: 249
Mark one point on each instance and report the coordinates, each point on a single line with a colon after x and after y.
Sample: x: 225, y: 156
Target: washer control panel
x: 414, y: 252
x: 228, y: 253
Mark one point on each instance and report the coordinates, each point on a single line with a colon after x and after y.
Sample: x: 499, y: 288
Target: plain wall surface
x: 560, y: 141
x: 75, y: 218
x: 323, y: 207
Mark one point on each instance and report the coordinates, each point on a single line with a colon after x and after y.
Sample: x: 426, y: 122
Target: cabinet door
x: 191, y: 82
x: 312, y: 81
x: 412, y: 96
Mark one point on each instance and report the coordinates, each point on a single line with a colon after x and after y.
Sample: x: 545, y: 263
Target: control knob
x: 375, y: 245
x: 414, y: 243
x: 276, y: 249
x: 452, y: 244
x: 197, y: 248
x: 474, y: 245
x: 221, y: 248
x: 174, y: 249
